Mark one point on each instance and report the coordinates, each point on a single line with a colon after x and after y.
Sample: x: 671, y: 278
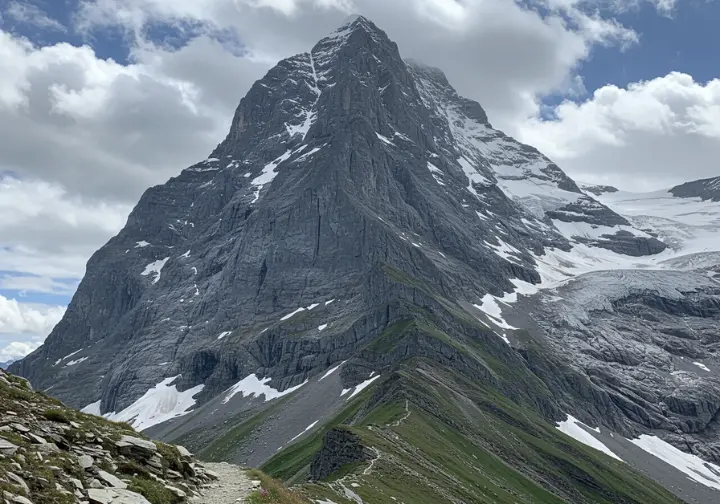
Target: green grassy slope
x: 438, y: 437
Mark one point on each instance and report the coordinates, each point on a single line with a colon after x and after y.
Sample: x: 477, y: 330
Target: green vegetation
x: 57, y: 415
x: 272, y: 491
x: 153, y: 491
x: 40, y: 492
x: 440, y: 437
x: 292, y: 464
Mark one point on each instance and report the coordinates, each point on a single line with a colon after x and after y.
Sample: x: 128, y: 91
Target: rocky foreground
x: 51, y: 454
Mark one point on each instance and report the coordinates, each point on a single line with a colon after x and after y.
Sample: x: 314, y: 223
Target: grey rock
x: 85, y: 461
x: 19, y: 499
x: 705, y: 189
x: 598, y: 190
x: 37, y: 439
x: 184, y: 452
x: 137, y: 445
x: 339, y: 448
x: 111, y: 479
x: 48, y: 448
x: 19, y: 428
x: 115, y: 496
x: 178, y: 493
x: 7, y: 448
x: 14, y: 478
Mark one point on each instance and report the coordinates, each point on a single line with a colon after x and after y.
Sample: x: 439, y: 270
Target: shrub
x: 56, y: 415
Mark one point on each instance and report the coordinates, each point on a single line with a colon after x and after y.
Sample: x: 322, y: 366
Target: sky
x: 101, y: 99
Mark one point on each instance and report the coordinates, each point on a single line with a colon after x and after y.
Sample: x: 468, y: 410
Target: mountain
x: 374, y: 294
x: 4, y: 365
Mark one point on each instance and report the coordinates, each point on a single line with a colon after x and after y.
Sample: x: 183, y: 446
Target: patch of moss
x: 13, y: 437
x: 153, y: 491
x: 57, y: 415
x: 132, y: 468
x: 171, y: 456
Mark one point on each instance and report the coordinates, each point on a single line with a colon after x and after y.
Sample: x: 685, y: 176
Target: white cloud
x: 647, y: 136
x: 27, y: 13
x: 27, y: 324
x: 492, y: 50
x: 103, y: 127
x: 17, y: 349
x: 33, y: 284
x: 46, y: 231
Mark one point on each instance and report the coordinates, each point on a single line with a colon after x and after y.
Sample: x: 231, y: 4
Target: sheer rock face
x: 350, y: 185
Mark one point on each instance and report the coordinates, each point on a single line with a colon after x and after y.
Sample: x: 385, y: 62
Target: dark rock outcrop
x: 340, y: 447
x: 705, y: 189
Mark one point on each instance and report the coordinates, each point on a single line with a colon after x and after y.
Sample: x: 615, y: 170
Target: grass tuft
x: 271, y: 491
x: 57, y: 415
x: 153, y: 491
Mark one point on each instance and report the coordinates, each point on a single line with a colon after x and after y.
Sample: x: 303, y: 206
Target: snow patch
x: 268, y: 173
x: 292, y: 314
x: 78, y: 361
x: 251, y: 386
x: 302, y: 309
x: 223, y: 334
x: 696, y: 468
x: 67, y: 356
x: 309, y: 427
x: 702, y: 366
x: 359, y: 388
x: 159, y: 404
x: 505, y: 251
x: 436, y: 173
x: 322, y: 327
x: 92, y: 408
x: 385, y: 139
x: 572, y: 427
x: 474, y: 177
x: 331, y: 371
x: 155, y: 268
x: 492, y: 309
x: 142, y: 244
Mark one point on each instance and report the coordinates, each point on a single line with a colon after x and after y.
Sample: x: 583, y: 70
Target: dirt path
x: 232, y: 487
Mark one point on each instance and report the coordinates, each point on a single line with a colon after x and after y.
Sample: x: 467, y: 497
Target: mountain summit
x: 365, y: 259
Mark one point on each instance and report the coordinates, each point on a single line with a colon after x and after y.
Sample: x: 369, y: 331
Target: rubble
x: 52, y: 454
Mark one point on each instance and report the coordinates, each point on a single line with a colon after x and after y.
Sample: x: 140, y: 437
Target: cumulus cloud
x: 105, y: 130
x: 23, y: 327
x: 16, y: 350
x: 503, y: 54
x: 649, y: 135
x: 46, y: 231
